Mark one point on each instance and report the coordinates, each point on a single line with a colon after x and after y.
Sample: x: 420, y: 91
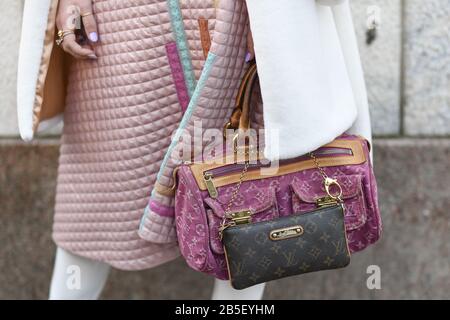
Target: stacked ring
x: 62, y: 34
x: 85, y: 14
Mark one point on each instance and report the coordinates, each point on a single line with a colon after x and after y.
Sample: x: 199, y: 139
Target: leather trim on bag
x: 163, y: 190
x: 358, y: 157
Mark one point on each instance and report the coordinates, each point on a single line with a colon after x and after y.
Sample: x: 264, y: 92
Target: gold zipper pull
x: 207, y: 177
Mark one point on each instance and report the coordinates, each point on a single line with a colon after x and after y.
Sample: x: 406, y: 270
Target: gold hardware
x: 330, y: 182
x: 326, y: 202
x: 61, y: 35
x: 286, y: 233
x: 237, y: 218
x: 241, y: 217
x: 210, y: 185
x: 226, y: 127
x: 327, y: 181
x: 224, y: 223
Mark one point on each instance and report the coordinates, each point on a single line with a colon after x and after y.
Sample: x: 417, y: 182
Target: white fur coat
x: 310, y: 73
x: 309, y: 66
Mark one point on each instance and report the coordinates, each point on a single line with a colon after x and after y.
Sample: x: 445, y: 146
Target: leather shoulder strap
x: 242, y: 104
x: 244, y: 122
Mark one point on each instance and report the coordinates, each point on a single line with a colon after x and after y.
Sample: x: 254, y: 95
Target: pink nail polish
x: 92, y: 56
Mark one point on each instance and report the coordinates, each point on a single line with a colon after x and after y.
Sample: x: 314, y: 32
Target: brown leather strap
x: 244, y: 122
x: 243, y: 96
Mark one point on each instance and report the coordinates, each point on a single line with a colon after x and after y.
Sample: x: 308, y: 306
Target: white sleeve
x: 307, y: 95
x: 346, y: 32
x: 330, y: 2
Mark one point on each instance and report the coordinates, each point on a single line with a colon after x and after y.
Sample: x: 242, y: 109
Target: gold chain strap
x: 328, y: 182
x: 236, y: 189
x: 316, y: 163
x: 227, y: 212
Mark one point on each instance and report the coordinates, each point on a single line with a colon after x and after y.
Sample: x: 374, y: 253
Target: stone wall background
x: 407, y: 71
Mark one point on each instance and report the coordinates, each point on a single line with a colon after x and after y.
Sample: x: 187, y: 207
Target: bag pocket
x: 306, y: 193
x: 261, y: 202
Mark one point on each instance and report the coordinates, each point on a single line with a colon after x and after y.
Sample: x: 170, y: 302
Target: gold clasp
x: 241, y: 217
x: 326, y: 201
x: 330, y: 182
x: 237, y: 218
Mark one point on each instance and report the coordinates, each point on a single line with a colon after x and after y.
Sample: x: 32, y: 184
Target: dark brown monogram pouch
x: 300, y: 243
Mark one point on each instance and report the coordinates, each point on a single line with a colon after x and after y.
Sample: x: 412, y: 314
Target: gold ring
x: 62, y: 34
x: 86, y: 14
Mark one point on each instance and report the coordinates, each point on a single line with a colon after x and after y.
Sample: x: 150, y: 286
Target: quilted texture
x: 120, y: 114
x: 211, y: 104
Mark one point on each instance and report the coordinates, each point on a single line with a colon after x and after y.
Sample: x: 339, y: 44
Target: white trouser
x: 78, y: 278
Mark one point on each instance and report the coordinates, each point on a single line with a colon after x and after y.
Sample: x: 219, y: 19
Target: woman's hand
x: 68, y: 18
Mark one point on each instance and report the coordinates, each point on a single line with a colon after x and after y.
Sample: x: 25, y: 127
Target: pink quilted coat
x: 162, y: 65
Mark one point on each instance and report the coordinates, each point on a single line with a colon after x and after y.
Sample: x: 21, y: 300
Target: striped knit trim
x: 183, y: 50
x: 178, y: 75
x: 209, y: 63
x: 190, y: 109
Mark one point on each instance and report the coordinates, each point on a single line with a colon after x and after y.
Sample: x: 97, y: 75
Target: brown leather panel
x: 165, y: 191
x: 45, y: 63
x: 357, y: 157
x: 55, y: 85
x: 205, y: 37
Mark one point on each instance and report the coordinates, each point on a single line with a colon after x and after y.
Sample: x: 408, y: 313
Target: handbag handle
x: 240, y: 116
x: 240, y: 119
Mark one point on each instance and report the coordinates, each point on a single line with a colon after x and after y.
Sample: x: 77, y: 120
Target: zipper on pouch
x: 212, y: 190
x: 208, y: 176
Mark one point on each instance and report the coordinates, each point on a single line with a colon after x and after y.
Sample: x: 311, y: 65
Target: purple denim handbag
x: 204, y: 192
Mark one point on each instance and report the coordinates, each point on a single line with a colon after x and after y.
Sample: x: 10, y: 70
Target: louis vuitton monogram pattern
x: 253, y: 258
x: 306, y: 193
x: 198, y: 216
